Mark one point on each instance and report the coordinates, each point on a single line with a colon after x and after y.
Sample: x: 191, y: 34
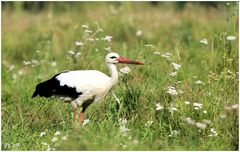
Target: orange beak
x: 128, y: 61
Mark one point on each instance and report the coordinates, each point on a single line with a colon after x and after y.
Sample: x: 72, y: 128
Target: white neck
x: 114, y: 73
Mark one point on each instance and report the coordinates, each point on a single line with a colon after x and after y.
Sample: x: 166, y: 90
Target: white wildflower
x: 88, y: 31
x: 16, y: 145
x: 96, y: 49
x: 78, y: 54
x: 54, y: 139
x: 176, y: 66
x: 125, y: 70
x: 54, y: 64
x: 180, y: 91
x: 100, y: 30
x: 204, y: 41
x: 49, y: 148
x: 228, y: 71
x: 57, y: 133
x: 174, y: 133
x: 78, y: 43
x: 197, y: 106
x: 14, y: 78
x: 231, y: 38
x: 86, y: 121
x: 157, y: 53
x: 20, y: 72
x: 71, y: 52
x: 201, y: 125
x: 91, y: 39
x: 135, y: 141
x: 34, y: 61
x: 213, y: 132
x: 150, y: 45
x: 42, y: 134
x: 199, y: 82
x: 107, y: 38
x: 207, y: 121
x: 122, y: 121
x: 172, y: 90
x: 124, y: 130
x: 178, y: 82
x: 151, y: 90
x: 65, y: 137
x: 194, y: 77
x: 187, y: 102
x: 148, y: 123
x: 159, y: 107
x: 11, y: 67
x: 235, y: 106
x: 166, y: 55
x: 228, y: 108
x: 139, y: 33
x: 108, y: 49
x: 173, y: 74
x: 45, y: 144
x: 222, y: 116
x: 172, y: 108
x: 189, y: 121
x: 124, y: 146
x: 27, y: 62
x: 205, y: 111
x: 84, y: 26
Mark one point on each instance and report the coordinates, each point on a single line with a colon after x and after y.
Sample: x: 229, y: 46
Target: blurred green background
x: 39, y: 40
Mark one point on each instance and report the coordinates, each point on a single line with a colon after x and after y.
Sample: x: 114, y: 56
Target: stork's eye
x: 113, y: 57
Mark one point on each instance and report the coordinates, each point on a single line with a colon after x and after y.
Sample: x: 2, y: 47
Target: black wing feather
x: 52, y: 87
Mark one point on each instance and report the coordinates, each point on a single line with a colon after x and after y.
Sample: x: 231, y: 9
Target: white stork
x: 82, y: 87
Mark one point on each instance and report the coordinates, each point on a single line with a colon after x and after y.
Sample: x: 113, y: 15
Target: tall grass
x: 196, y: 108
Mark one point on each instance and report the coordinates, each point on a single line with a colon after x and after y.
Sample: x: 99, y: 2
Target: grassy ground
x: 198, y: 107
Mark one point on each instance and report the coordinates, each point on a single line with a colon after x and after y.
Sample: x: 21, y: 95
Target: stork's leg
x: 74, y: 109
x: 75, y: 117
x: 81, y: 118
x: 83, y: 101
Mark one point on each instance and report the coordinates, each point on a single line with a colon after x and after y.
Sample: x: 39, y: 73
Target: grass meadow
x: 185, y: 96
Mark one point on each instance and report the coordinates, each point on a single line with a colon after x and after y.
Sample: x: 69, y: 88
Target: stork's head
x: 114, y: 58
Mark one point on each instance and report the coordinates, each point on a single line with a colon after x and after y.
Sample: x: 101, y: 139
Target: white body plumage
x: 92, y: 84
